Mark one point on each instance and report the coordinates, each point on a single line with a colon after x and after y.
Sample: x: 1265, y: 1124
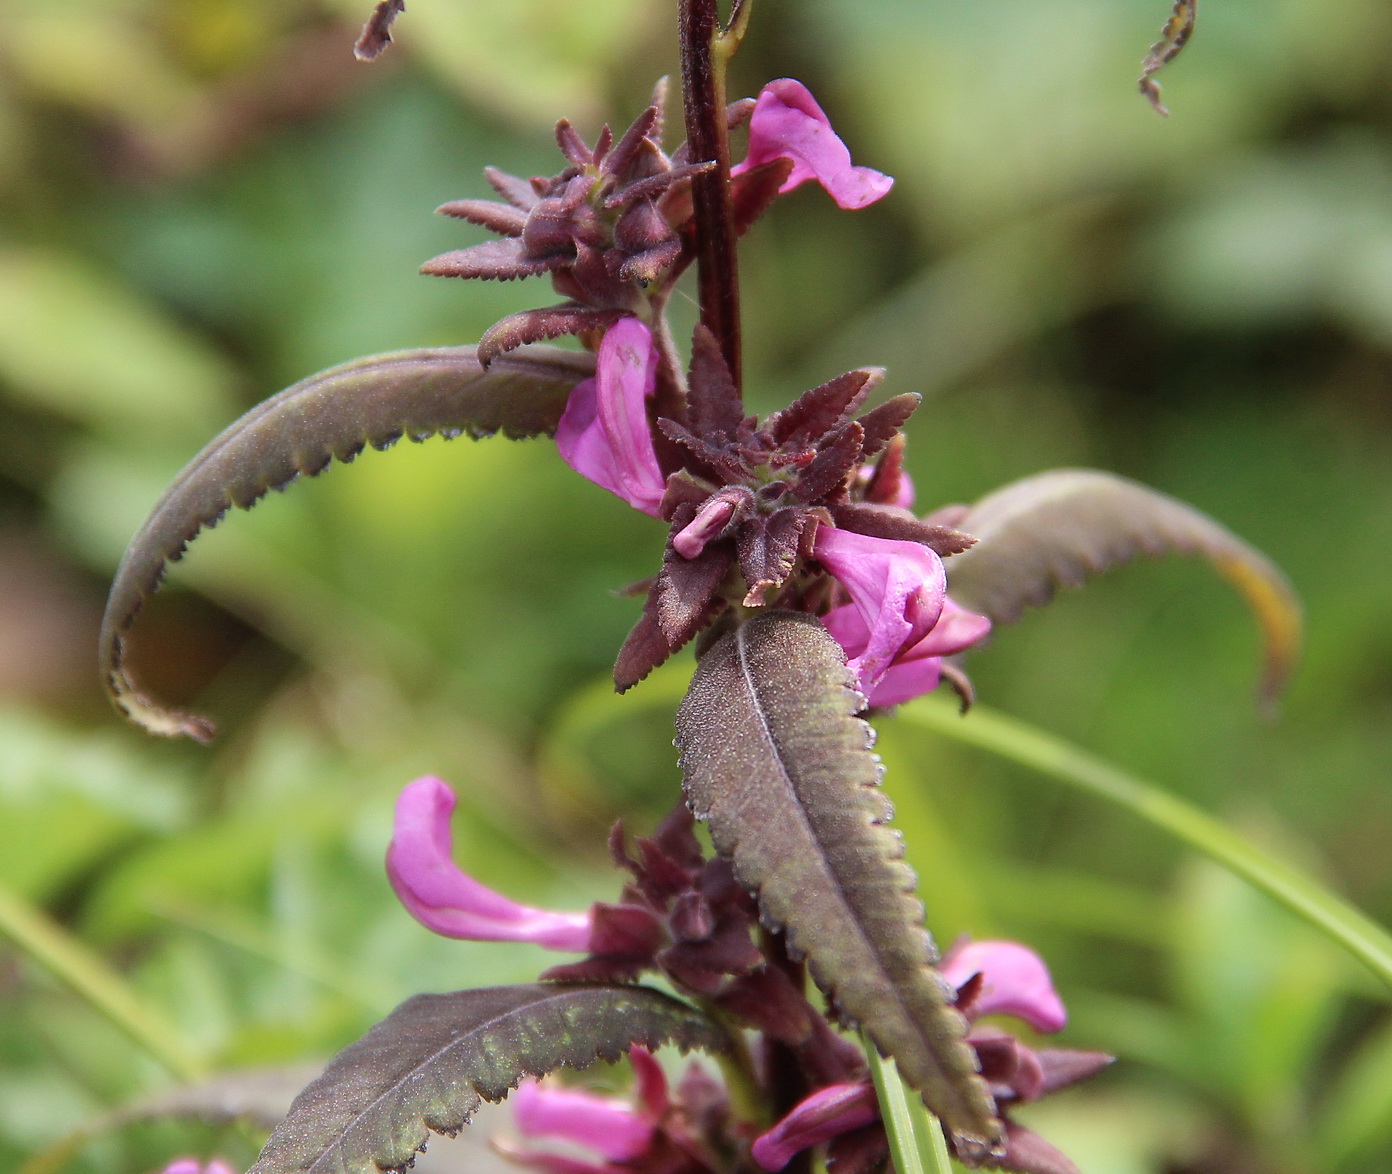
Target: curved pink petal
x: 1015, y: 981
x: 604, y: 434
x: 194, y: 1166
x: 609, y: 1126
x: 897, y: 587
x: 787, y: 123
x: 828, y: 1112
x: 447, y: 901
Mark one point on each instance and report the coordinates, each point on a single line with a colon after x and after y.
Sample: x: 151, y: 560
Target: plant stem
x: 88, y: 975
x: 708, y: 138
x: 1014, y: 740
x: 916, y: 1140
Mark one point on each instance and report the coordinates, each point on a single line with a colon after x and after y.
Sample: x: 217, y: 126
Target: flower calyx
x: 607, y: 227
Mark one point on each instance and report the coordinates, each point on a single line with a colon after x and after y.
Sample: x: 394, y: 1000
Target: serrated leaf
x: 431, y: 1063
x: 331, y: 415
x: 776, y: 761
x: 1057, y: 529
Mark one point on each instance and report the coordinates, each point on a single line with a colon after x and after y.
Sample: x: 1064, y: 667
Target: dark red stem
x: 707, y: 136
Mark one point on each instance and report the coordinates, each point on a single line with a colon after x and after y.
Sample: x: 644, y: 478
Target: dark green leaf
x: 1056, y: 529
x: 777, y: 762
x: 331, y: 415
x: 436, y: 1058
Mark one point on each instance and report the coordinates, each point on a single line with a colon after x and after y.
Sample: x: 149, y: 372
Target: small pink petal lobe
x: 787, y: 123
x: 1015, y: 981
x: 449, y: 902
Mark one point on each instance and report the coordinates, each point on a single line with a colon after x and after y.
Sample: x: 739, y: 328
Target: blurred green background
x: 203, y: 200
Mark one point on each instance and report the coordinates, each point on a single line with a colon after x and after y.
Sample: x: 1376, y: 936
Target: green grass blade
x: 48, y: 944
x: 1049, y: 755
x: 916, y: 1141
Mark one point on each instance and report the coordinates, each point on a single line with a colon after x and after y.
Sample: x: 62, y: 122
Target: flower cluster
x: 614, y: 228
x: 810, y: 506
x: 685, y: 917
x: 811, y: 489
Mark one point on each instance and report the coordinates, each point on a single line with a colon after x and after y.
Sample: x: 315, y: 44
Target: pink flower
x: 827, y: 1113
x: 604, y: 433
x: 897, y: 589
x: 194, y: 1166
x: 615, y: 1129
x: 443, y: 899
x: 916, y: 668
x: 1014, y: 981
x: 787, y: 123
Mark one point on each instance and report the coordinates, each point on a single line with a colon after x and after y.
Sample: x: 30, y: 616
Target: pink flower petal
x: 193, y: 1166
x: 897, y: 587
x: 448, y: 902
x: 609, y: 1126
x: 604, y: 434
x: 916, y: 670
x: 828, y: 1112
x: 787, y: 123
x: 1015, y: 982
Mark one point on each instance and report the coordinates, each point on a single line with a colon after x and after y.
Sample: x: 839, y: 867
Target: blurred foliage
x: 203, y: 200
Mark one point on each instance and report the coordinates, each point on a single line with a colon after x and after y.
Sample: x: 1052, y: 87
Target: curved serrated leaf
x: 1058, y: 528
x: 436, y: 1058
x: 776, y: 761
x: 329, y: 416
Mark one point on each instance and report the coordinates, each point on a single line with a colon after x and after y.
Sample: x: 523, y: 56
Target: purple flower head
x: 897, y: 588
x: 446, y: 901
x: 827, y: 1113
x: 604, y: 433
x: 917, y: 668
x: 194, y: 1166
x: 787, y: 123
x: 1014, y: 981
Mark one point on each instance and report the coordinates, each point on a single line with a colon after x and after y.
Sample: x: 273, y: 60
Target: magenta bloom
x: 604, y: 433
x: 609, y: 1126
x: 917, y: 668
x: 897, y: 589
x: 194, y: 1166
x: 446, y: 901
x: 787, y: 123
x: 616, y: 1130
x: 1014, y: 981
x: 827, y: 1113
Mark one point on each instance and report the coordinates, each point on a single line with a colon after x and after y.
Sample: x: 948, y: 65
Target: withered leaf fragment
x: 775, y: 759
x: 1173, y: 37
x: 376, y: 33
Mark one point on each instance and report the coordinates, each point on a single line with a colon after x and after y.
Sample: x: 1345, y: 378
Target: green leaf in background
x: 1055, y: 529
x: 436, y: 1058
x: 774, y: 758
x: 333, y: 414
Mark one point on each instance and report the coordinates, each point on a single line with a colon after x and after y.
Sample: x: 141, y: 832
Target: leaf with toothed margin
x: 431, y: 1063
x: 1057, y: 529
x: 774, y: 758
x: 331, y: 415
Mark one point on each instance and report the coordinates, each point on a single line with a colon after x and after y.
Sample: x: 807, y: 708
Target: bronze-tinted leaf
x: 328, y: 416
x: 436, y: 1058
x: 775, y: 759
x: 1056, y: 529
